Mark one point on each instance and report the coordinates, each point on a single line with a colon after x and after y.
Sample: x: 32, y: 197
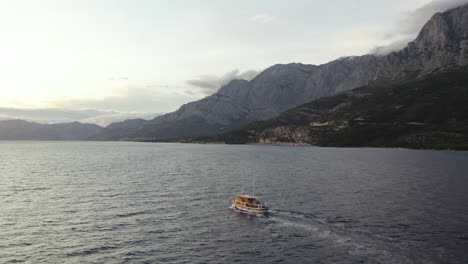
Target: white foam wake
x: 354, y: 244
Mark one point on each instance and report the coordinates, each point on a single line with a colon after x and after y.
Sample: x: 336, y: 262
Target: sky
x: 106, y: 60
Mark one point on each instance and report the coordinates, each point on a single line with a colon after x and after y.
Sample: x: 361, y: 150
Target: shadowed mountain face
x: 425, y: 112
x: 23, y: 130
x: 442, y: 43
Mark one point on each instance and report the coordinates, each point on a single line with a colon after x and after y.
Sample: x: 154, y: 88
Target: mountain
x: 23, y: 130
x: 442, y: 43
x: 424, y: 112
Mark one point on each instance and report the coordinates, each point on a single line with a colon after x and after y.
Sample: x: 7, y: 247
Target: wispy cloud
x: 209, y: 84
x: 47, y: 115
x: 410, y: 23
x: 110, y: 117
x: 126, y: 102
x: 130, y: 98
x: 263, y: 18
x: 59, y: 115
x: 122, y: 78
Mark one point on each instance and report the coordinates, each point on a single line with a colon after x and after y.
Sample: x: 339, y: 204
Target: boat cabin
x: 248, y: 202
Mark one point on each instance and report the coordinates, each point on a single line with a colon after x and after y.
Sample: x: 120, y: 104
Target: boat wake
x: 353, y: 243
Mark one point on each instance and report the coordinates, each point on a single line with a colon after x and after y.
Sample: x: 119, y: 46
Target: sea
x: 124, y: 202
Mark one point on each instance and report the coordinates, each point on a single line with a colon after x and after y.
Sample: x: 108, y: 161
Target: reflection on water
x: 116, y: 202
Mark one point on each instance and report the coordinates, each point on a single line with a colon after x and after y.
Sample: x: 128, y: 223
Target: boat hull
x: 248, y: 210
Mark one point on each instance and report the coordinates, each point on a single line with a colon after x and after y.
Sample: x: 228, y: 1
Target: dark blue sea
x: 117, y: 202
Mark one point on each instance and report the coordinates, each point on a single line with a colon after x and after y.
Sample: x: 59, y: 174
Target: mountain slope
x: 427, y: 112
x: 442, y: 43
x: 275, y: 90
x: 23, y: 130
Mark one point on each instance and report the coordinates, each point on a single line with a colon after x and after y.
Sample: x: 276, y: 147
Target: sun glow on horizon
x: 66, y: 51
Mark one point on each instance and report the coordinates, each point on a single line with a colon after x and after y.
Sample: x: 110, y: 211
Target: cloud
x: 131, y: 98
x: 410, y: 23
x: 209, y: 84
x: 107, y: 118
x: 391, y: 47
x: 262, y: 18
x: 60, y: 115
x: 125, y: 102
x: 123, y: 78
x: 47, y: 115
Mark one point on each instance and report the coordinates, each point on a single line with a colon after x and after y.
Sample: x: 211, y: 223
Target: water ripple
x: 111, y: 202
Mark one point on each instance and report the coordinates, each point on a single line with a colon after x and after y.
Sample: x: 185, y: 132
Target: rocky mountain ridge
x: 442, y: 43
x: 425, y: 112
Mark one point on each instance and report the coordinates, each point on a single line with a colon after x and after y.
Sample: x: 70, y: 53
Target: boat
x: 248, y: 204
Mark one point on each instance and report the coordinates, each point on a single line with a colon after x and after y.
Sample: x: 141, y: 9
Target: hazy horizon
x: 106, y: 61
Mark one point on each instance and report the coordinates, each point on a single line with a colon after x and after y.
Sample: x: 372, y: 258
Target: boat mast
x: 253, y: 186
x: 243, y: 177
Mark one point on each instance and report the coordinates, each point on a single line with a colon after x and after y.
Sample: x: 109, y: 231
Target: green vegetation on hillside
x: 431, y: 112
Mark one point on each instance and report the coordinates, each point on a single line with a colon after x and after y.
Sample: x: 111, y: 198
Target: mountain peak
x: 441, y: 43
x: 446, y: 28
x: 435, y: 33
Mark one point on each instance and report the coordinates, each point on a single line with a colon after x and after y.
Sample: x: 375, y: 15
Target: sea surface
x: 118, y: 202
